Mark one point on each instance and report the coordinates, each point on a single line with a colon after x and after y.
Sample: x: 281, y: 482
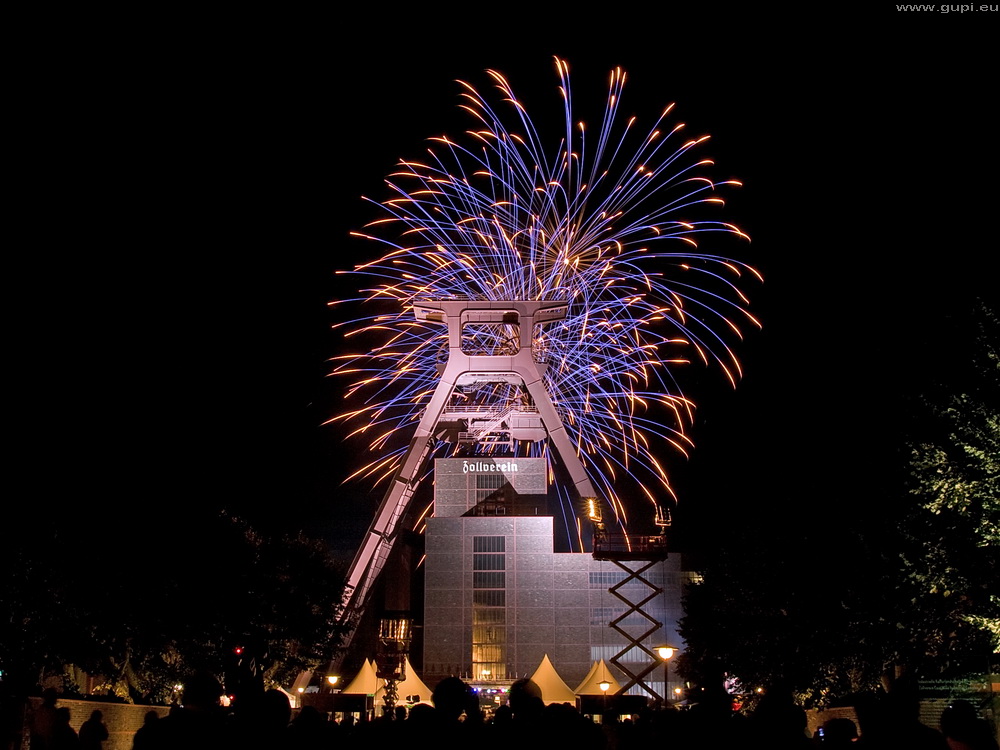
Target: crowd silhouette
x: 93, y: 733
x: 453, y: 719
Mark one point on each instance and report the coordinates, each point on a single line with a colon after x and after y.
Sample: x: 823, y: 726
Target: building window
x: 488, y: 562
x: 607, y: 579
x: 489, y: 608
x: 489, y: 544
x: 488, y: 598
x: 602, y: 616
x: 486, y: 485
x: 489, y: 580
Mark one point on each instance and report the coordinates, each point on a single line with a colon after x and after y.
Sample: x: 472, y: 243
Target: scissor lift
x: 633, y: 556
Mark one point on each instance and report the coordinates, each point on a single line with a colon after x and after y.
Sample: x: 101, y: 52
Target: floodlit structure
x: 530, y: 304
x: 465, y: 406
x: 493, y: 533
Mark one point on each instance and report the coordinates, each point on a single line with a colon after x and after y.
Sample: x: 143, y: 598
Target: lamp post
x: 604, y: 685
x: 665, y: 653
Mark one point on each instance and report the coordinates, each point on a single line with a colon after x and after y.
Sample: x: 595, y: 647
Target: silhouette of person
x: 64, y: 737
x: 525, y: 698
x: 311, y: 729
x: 93, y: 732
x: 564, y: 724
x: 838, y: 733
x: 711, y: 721
x: 450, y: 699
x: 43, y: 720
x: 456, y: 708
x: 347, y: 728
x: 145, y: 736
x: 778, y: 721
x: 964, y: 729
x: 199, y: 723
x: 266, y: 724
x: 525, y: 728
x: 420, y: 725
x: 894, y: 721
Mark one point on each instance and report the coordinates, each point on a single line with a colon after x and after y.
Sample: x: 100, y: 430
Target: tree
x: 280, y: 604
x: 908, y: 578
x: 950, y: 534
x: 204, y: 586
x: 803, y: 613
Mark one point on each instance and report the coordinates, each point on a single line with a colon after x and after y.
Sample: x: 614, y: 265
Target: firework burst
x: 611, y: 223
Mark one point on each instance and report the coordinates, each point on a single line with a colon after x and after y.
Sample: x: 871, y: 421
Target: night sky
x: 194, y: 201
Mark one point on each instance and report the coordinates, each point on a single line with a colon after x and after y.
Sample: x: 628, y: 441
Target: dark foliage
x: 145, y: 613
x: 902, y: 573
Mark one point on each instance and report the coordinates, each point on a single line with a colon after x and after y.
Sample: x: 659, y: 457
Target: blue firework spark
x: 612, y: 223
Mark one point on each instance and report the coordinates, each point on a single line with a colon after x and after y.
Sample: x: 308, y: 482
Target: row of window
x: 489, y: 544
x: 606, y: 579
x: 482, y: 580
x: 601, y: 616
x: 481, y: 561
x: 489, y: 613
x: 632, y: 656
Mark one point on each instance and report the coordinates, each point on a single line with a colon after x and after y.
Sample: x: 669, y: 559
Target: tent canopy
x: 365, y: 682
x: 598, y: 674
x: 412, y: 685
x: 554, y: 690
x: 368, y: 683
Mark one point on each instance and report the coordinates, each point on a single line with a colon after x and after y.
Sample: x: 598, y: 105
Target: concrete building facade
x: 501, y: 591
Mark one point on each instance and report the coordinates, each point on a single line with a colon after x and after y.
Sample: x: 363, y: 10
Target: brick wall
x: 121, y: 719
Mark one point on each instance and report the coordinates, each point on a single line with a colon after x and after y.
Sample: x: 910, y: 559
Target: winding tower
x: 489, y: 396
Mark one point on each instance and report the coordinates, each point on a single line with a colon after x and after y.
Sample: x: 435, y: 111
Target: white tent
x: 591, y: 683
x: 412, y: 685
x: 554, y: 690
x: 365, y: 682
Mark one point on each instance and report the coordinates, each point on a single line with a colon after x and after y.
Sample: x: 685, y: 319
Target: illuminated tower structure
x: 489, y: 349
x: 499, y: 594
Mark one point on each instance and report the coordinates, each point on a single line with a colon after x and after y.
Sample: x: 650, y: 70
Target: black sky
x: 191, y: 202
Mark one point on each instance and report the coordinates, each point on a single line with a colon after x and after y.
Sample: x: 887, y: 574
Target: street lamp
x: 665, y: 653
x: 604, y: 685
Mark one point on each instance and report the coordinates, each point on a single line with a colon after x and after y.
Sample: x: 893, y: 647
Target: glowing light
x: 606, y: 220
